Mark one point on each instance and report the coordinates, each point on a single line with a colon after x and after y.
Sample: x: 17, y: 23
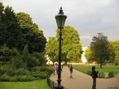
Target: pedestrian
x: 94, y: 75
x: 57, y: 68
x: 54, y: 69
x: 71, y: 70
x: 62, y: 66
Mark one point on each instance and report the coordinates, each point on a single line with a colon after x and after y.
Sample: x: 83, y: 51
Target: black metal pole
x: 94, y: 83
x: 59, y: 65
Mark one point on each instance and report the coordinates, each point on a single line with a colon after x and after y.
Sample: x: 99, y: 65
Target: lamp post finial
x: 61, y: 11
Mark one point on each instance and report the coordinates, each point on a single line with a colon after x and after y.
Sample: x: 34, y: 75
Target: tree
x: 100, y: 49
x: 71, y: 47
x: 16, y: 59
x: 89, y: 55
x: 39, y: 58
x: 9, y: 28
x: 115, y: 46
x: 33, y: 37
x: 5, y: 53
x: 52, y: 49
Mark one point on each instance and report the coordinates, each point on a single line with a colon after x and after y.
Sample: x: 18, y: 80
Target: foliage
x: 39, y: 58
x: 41, y: 75
x: 115, y: 46
x: 16, y: 59
x: 71, y: 47
x: 41, y: 72
x: 52, y: 49
x: 22, y: 74
x: 9, y: 28
x: 34, y: 59
x: 13, y: 72
x: 33, y: 37
x: 16, y: 78
x: 18, y: 30
x: 5, y: 53
x: 100, y: 48
x: 89, y: 55
x: 112, y: 69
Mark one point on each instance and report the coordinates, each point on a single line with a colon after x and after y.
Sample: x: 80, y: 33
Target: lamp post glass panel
x: 60, y: 20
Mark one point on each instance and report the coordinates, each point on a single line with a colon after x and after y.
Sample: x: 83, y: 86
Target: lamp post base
x: 59, y: 87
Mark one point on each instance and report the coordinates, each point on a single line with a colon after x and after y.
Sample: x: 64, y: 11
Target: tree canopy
x: 21, y: 41
x: 100, y: 48
x: 33, y: 37
x: 71, y: 47
x: 115, y: 47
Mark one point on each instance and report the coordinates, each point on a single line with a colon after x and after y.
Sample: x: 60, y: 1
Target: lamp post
x: 60, y: 20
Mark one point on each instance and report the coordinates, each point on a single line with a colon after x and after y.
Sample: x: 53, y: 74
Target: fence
x: 51, y: 83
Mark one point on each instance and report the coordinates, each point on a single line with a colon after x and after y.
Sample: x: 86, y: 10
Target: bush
x: 22, y: 71
x: 111, y: 74
x: 10, y: 72
x: 7, y: 71
x: 101, y: 75
x: 24, y: 78
x: 41, y: 75
x: 89, y: 72
x: 13, y: 72
x: 44, y: 68
x: 5, y: 78
x: 2, y: 71
x: 41, y: 68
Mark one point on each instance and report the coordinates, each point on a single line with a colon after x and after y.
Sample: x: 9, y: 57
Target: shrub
x: 101, y: 75
x: 2, y: 71
x: 44, y: 68
x: 22, y: 71
x: 5, y: 77
x: 111, y: 74
x: 10, y: 72
x: 24, y: 78
x: 89, y: 72
x: 41, y: 75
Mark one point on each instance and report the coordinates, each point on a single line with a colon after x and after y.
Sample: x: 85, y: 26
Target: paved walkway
x: 84, y: 81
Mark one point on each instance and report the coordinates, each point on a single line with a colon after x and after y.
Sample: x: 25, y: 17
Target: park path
x: 84, y: 81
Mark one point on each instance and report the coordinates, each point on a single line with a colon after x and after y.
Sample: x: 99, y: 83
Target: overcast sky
x: 89, y: 17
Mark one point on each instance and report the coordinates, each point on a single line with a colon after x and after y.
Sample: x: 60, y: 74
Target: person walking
x: 94, y: 75
x: 71, y: 70
x: 54, y: 69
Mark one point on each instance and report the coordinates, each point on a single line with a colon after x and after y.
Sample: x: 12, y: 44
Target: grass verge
x: 112, y: 69
x: 36, y: 84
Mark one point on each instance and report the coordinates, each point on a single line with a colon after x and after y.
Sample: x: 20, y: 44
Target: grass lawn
x: 36, y: 84
x: 106, y: 68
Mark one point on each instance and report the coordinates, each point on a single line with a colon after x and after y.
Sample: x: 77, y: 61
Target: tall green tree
x: 100, y: 49
x: 52, y: 49
x: 71, y: 47
x: 115, y: 46
x: 89, y: 55
x: 33, y: 37
x: 9, y: 28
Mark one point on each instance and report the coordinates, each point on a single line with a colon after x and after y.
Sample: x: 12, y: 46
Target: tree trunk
x: 101, y: 65
x: 66, y: 61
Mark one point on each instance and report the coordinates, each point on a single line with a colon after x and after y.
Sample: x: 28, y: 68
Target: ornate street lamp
x: 60, y: 20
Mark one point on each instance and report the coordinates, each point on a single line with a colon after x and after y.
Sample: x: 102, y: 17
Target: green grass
x: 106, y: 68
x: 37, y: 84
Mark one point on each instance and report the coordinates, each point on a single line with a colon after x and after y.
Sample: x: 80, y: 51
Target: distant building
x: 83, y: 58
x: 48, y: 60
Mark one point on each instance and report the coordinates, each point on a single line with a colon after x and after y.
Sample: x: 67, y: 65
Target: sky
x: 89, y: 17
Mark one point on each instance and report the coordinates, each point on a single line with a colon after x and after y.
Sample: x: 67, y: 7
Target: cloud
x: 88, y: 16
x: 86, y: 37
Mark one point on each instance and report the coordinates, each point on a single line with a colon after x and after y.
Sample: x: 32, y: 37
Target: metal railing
x: 51, y: 83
